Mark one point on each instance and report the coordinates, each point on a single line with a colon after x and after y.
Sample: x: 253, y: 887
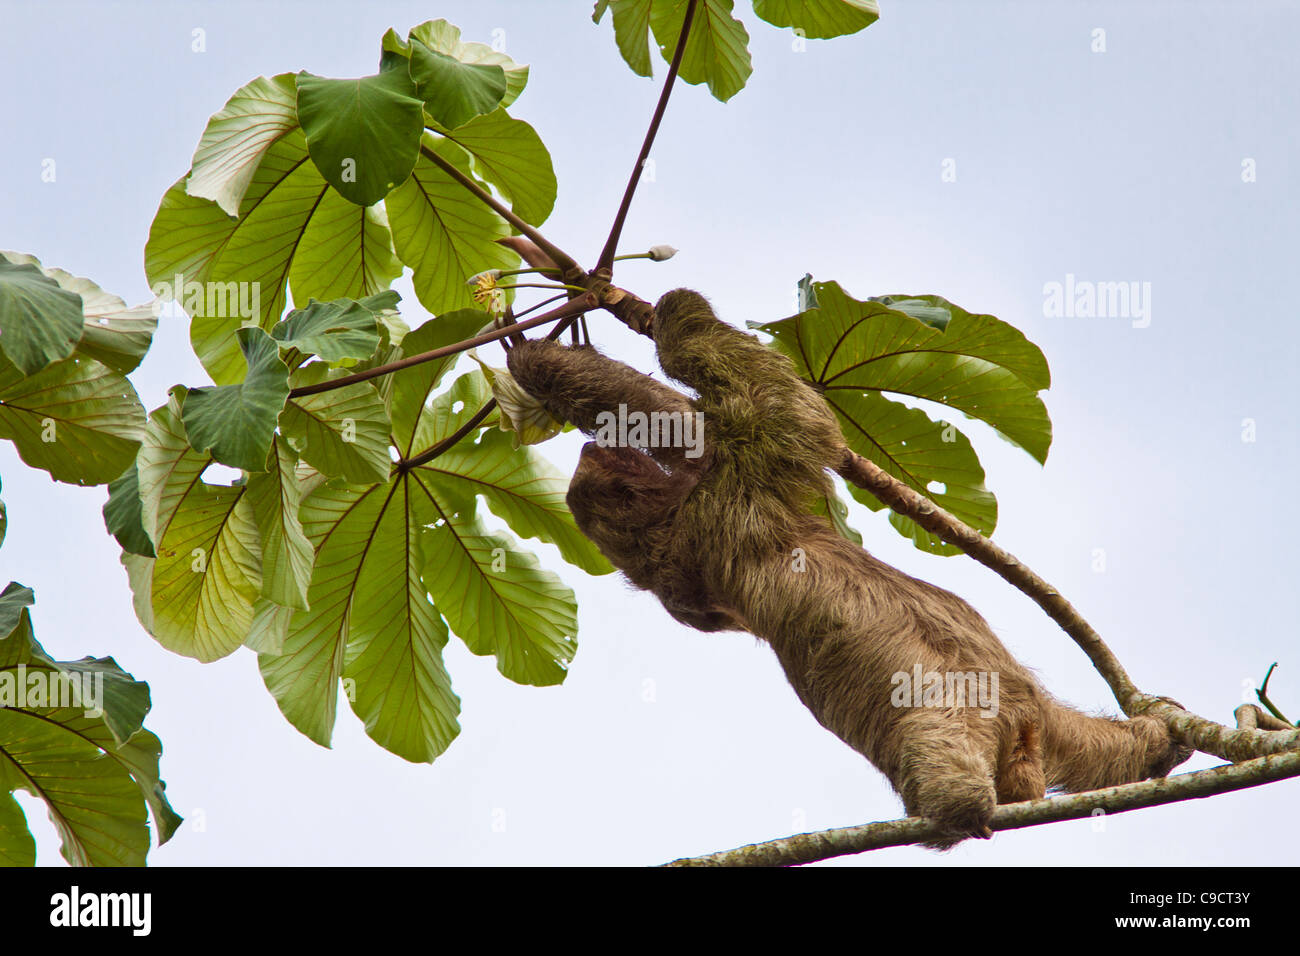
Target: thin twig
x: 571, y: 308
x: 427, y: 456
x: 605, y: 264
x: 1262, y: 694
x: 810, y: 847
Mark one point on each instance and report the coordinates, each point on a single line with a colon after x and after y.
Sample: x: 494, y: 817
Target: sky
x: 977, y: 151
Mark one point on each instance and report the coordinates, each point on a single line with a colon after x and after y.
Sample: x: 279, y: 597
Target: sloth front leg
x: 578, y: 384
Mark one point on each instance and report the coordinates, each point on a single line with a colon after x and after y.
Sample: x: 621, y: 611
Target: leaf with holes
x: 854, y: 351
x: 408, y: 395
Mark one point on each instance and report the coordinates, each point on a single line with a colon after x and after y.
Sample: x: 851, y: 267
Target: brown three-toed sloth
x: 728, y: 540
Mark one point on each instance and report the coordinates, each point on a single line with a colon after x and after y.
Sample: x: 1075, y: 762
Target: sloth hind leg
x: 945, y: 775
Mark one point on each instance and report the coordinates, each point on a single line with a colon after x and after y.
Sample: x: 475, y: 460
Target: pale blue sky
x: 1116, y: 166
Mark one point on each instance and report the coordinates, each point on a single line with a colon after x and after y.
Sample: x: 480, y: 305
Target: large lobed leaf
x: 294, y: 232
x: 923, y: 347
x: 349, y: 570
x: 87, y: 756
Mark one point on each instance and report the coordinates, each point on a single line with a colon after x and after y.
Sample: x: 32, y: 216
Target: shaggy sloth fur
x: 728, y: 541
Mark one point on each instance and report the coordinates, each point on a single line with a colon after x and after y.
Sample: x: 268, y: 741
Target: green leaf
x: 452, y: 409
x: 363, y: 134
x: 112, y: 334
x: 237, y: 137
x: 978, y: 365
x: 270, y: 627
x: 934, y: 458
x: 445, y: 234
x: 40, y: 323
x: 345, y: 251
x: 293, y: 228
x: 521, y: 487
x: 369, y: 620
x: 408, y: 396
x: 276, y: 495
x: 832, y: 506
x: 342, y: 329
x: 342, y: 432
x: 17, y: 846
x: 197, y: 597
x: 14, y: 601
x: 717, y: 51
x: 236, y: 422
x: 853, y: 351
x: 224, y: 271
x: 496, y: 596
x: 990, y: 338
x: 819, y: 19
x: 76, y: 419
x: 509, y: 154
x: 122, y: 513
x: 631, y: 31
x: 71, y: 734
x: 455, y: 92
x: 442, y: 37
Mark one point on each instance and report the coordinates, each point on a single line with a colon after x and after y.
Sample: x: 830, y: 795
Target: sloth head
x: 626, y: 502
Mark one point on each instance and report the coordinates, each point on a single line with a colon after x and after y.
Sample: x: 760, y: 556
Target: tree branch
x: 574, y: 306
x: 1195, y: 731
x: 605, y: 264
x: 810, y: 847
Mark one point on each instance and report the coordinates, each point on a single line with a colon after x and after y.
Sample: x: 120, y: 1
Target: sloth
x: 729, y: 540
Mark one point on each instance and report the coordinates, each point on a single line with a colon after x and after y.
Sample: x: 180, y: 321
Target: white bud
x: 488, y: 277
x: 660, y: 253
